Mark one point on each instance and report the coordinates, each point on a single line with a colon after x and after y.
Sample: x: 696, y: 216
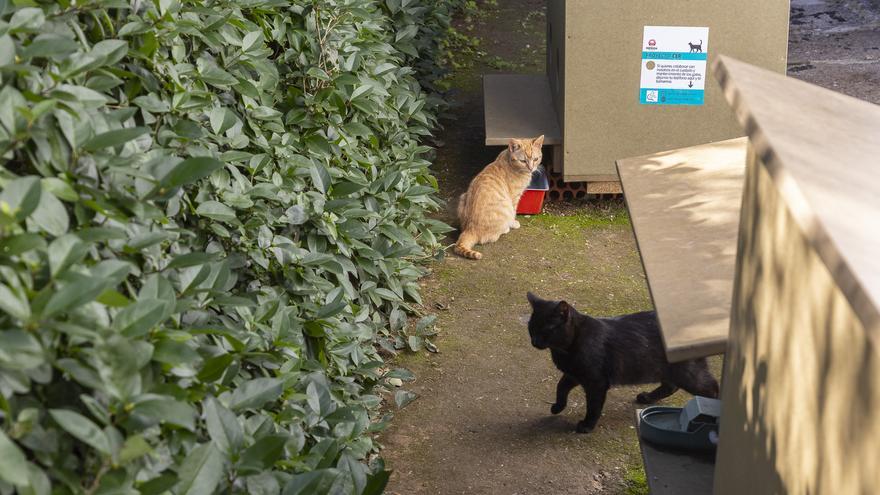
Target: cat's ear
x: 533, y: 299
x: 538, y: 141
x: 514, y: 146
x: 564, y: 309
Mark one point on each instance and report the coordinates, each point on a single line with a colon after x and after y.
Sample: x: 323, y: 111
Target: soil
x: 835, y: 44
x: 481, y: 423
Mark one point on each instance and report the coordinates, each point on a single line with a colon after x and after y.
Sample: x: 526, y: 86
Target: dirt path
x: 481, y: 424
x: 835, y: 44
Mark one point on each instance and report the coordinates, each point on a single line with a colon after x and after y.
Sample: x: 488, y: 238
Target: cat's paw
x: 515, y: 224
x: 585, y: 427
x: 644, y: 398
x: 557, y: 408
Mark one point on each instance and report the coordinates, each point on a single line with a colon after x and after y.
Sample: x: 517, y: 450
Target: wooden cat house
x: 630, y: 78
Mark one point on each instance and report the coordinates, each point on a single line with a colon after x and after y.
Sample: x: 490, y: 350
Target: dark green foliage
x: 210, y: 218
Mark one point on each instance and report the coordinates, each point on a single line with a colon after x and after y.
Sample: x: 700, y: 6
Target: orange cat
x: 488, y: 209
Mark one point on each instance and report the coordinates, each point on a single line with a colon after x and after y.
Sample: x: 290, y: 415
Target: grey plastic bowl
x: 660, y: 426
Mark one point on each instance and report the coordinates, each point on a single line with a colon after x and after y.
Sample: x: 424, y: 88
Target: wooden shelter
x: 589, y: 102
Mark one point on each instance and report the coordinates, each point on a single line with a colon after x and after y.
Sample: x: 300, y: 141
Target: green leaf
x: 13, y: 468
x: 14, y: 304
x: 263, y: 484
x: 383, y: 68
x: 320, y: 177
x: 403, y: 397
x: 152, y: 103
x: 50, y: 216
x: 189, y: 171
x: 111, y: 139
x: 20, y: 198
x: 22, y: 243
x: 80, y: 289
x: 65, y: 251
x: 201, y: 471
x: 81, y: 428
x: 223, y: 427
x: 167, y: 410
x: 39, y: 482
x: 133, y: 448
x: 139, y: 317
x: 109, y: 51
x: 192, y: 259
x: 415, y: 343
x: 49, y: 45
x: 175, y: 353
x: 254, y: 393
x: 61, y: 189
x: 263, y: 453
x: 216, y: 210
x: 79, y: 94
x: 213, y: 368
x: 113, y: 298
x: 20, y: 350
x: 376, y: 483
x: 215, y: 76
x: 296, y: 215
x: 222, y: 119
x: 312, y: 482
x: 7, y: 50
x: 425, y: 326
x: 27, y: 19
x: 158, y: 485
x: 251, y: 40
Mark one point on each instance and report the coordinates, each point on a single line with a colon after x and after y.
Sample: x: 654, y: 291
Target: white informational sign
x: 674, y: 65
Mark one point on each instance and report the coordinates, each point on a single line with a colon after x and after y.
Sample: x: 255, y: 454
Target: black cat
x: 597, y: 353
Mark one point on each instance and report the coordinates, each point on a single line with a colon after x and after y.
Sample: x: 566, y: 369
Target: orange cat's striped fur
x: 488, y: 209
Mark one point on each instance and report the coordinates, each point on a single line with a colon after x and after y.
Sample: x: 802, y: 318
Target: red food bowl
x: 532, y: 200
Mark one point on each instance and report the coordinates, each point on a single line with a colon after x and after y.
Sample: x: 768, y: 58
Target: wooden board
x: 684, y: 206
x: 823, y: 151
x: 519, y: 106
x: 675, y: 473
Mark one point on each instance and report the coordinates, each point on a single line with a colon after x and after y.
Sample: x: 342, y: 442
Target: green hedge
x: 211, y: 217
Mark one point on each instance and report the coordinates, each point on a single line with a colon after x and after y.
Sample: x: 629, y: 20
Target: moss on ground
x: 636, y: 481
x: 576, y: 223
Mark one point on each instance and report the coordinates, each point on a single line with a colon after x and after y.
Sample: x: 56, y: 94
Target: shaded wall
x: 556, y: 55
x: 801, y: 386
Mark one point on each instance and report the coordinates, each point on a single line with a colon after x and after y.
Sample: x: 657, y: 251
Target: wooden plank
x: 823, y: 151
x: 675, y: 473
x: 684, y: 206
x: 519, y: 106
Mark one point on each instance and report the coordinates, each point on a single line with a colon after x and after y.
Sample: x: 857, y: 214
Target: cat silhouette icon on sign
x: 695, y: 48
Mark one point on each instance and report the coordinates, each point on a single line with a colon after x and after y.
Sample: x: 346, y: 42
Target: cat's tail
x: 465, y: 244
